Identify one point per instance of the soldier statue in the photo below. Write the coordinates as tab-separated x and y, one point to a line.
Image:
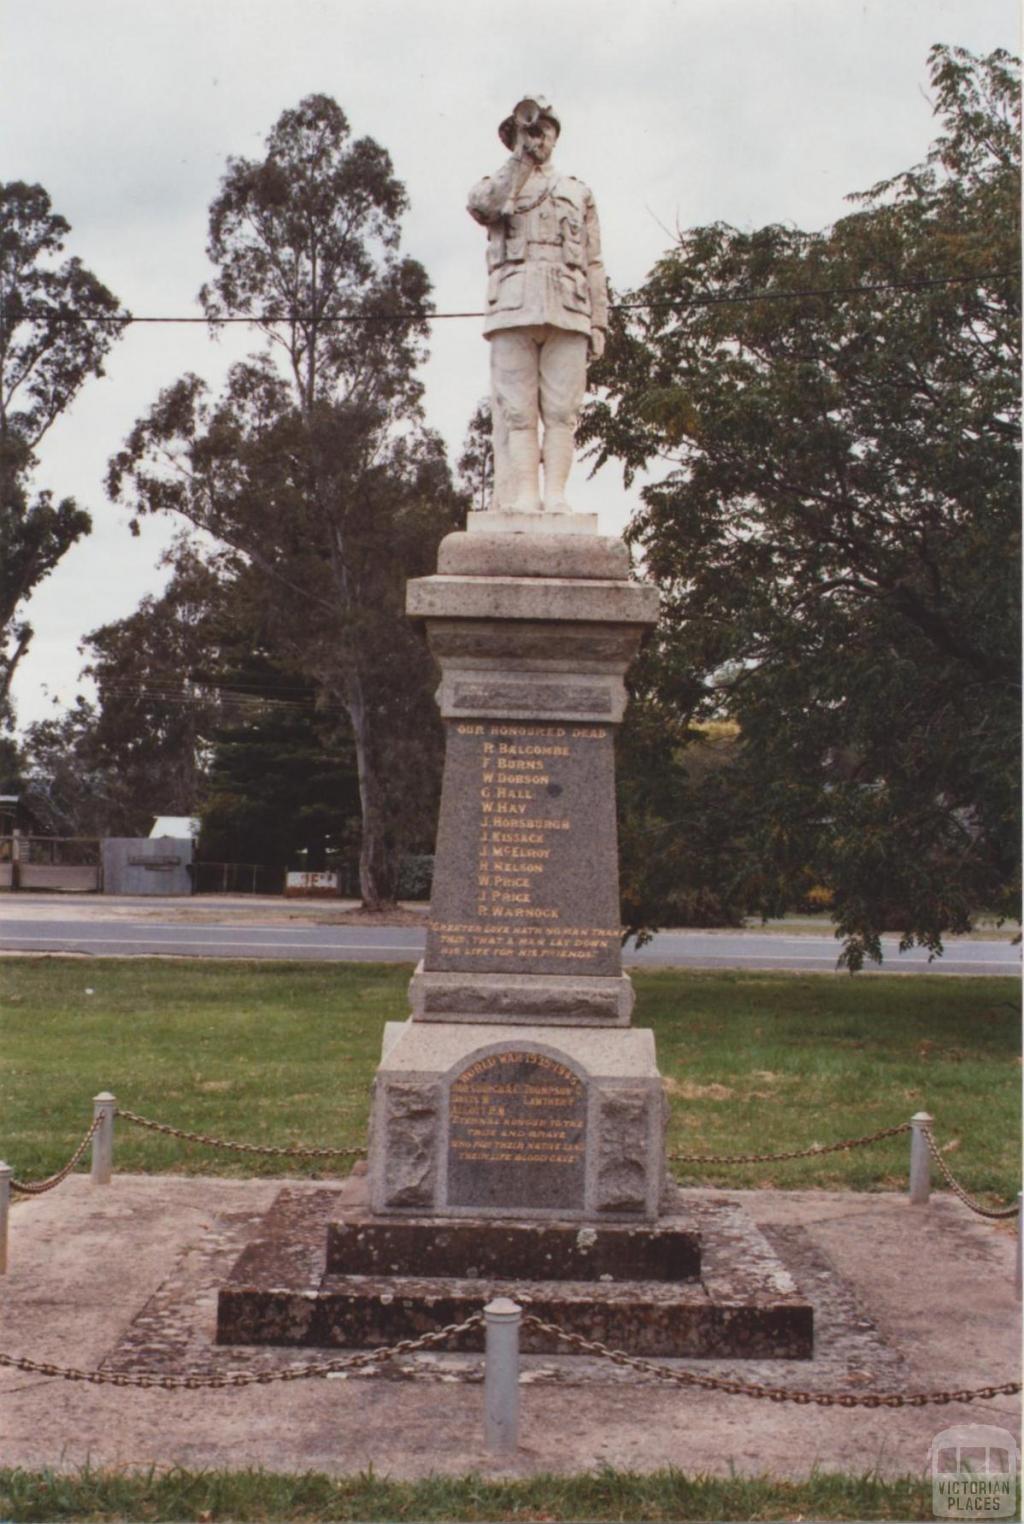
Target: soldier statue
547	308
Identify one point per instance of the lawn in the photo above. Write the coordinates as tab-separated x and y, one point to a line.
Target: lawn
284	1053
608	1494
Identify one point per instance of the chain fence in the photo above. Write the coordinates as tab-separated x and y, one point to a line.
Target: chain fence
771	1393
795	1153
685	1379
218	1380
360	1361
817	1149
39	1187
301	1151
297	1151
957	1188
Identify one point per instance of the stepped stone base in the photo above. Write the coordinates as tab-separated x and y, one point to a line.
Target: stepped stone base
362	1244
282	1292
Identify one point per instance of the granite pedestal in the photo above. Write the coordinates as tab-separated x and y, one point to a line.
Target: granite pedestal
493	1121
518	1085
517	1123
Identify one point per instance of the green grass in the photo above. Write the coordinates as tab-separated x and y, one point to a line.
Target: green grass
770	1062
606	1494
285	1052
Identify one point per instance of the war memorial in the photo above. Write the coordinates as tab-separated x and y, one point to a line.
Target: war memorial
518	1117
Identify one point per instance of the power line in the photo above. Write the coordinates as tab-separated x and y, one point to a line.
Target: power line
209	694
698	299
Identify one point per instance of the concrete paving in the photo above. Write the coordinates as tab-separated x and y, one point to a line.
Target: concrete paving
124	1277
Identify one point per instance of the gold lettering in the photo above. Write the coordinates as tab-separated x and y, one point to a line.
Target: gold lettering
496	1117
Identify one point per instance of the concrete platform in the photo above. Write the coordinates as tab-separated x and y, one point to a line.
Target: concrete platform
732	1298
125	1277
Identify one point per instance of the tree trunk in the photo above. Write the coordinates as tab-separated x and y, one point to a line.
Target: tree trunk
378	853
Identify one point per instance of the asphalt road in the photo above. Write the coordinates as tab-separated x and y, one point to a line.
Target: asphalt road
233	937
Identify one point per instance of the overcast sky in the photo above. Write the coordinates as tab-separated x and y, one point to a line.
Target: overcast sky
675	112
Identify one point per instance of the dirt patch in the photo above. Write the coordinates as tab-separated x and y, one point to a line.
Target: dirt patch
687	1090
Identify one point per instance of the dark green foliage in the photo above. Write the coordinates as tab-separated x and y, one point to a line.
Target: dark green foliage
282	787
47	353
108	768
835	526
194	716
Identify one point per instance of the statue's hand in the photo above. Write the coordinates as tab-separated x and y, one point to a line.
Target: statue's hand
596	347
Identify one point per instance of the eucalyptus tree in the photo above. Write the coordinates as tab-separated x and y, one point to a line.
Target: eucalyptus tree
57	325
314	467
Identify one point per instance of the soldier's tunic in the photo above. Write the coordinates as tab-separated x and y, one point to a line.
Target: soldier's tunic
546	290
543	252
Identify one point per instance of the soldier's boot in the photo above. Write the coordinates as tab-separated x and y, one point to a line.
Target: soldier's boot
559	444
523	455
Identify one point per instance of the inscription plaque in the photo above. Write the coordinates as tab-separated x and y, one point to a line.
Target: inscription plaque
526	877
517	1126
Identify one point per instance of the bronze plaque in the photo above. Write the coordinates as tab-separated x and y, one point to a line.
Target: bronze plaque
517	1127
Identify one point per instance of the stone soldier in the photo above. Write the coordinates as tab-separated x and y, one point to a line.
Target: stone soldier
547	308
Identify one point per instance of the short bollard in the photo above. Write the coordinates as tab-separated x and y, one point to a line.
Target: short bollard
920	1159
6	1173
501	1375
104	1106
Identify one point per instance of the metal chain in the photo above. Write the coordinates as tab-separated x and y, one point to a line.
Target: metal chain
772	1393
38	1187
243	1378
957	1188
618	1357
241	1148
796	1153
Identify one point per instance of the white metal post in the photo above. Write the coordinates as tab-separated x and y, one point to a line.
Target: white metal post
501	1375
104	1106
1019	1278
6	1173
920	1159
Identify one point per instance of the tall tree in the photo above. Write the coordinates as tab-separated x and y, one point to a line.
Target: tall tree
57	324
836	527
142	749
68	786
318	472
282	788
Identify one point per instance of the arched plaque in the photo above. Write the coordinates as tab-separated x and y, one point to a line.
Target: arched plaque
517	1125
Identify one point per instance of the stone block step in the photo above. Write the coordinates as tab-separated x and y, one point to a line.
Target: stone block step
361	1244
744	1305
643	1317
